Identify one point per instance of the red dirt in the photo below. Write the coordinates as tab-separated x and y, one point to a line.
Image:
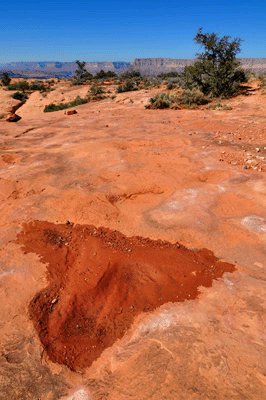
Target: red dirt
100	280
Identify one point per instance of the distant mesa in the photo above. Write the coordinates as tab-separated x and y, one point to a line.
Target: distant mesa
147	66
56	69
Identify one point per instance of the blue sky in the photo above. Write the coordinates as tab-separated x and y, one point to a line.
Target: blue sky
124	30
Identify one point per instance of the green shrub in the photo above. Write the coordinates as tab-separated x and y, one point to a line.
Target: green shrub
166	75
96	92
219	107
130	74
170	86
129	86
105	75
62	106
21	86
5	79
192	98
19	96
36	86
263	81
162	100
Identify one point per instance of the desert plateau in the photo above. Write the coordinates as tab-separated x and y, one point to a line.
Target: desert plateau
132	246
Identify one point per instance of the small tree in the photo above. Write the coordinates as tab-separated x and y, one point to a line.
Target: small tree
81	74
5	79
217	70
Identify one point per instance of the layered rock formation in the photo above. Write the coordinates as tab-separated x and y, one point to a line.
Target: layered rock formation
45	69
147	66
154	66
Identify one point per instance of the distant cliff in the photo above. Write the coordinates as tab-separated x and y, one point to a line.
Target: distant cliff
155	66
147	66
48	69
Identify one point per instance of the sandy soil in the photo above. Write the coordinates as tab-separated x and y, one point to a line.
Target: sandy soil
189	177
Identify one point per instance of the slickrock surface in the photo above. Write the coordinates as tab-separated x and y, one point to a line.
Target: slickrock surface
77	193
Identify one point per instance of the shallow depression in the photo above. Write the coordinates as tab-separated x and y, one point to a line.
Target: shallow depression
100	280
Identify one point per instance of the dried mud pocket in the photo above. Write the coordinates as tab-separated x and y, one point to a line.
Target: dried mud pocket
100	280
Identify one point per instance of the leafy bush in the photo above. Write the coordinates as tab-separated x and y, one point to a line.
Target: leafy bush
19	96
130	74
192	98
105	75
62	106
263	81
166	75
219	107
5	79
36	86
170	86
96	92
21	86
129	86
162	100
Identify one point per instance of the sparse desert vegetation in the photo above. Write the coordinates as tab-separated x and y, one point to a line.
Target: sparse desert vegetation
62	106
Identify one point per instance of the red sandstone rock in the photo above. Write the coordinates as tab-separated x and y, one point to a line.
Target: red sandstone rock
71	112
13	118
145	176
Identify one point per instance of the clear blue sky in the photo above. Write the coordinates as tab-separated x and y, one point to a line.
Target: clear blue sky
122	30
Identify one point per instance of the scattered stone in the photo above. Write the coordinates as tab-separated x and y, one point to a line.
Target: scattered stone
71	112
245	167
257	149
